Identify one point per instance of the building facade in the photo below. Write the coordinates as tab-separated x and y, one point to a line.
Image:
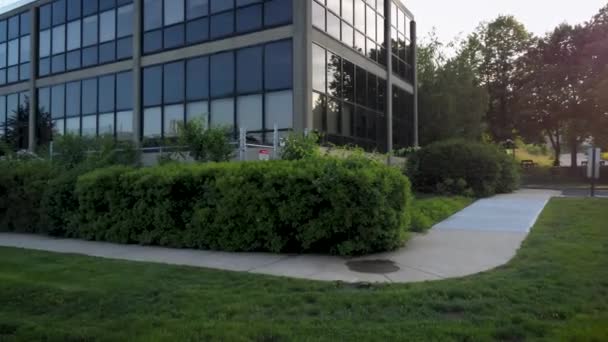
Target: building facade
133	69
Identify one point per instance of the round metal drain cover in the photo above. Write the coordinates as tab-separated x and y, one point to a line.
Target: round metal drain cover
373	266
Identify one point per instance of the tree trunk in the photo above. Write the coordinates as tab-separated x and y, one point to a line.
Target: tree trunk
557	148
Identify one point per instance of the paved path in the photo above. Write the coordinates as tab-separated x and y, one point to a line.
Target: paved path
480	238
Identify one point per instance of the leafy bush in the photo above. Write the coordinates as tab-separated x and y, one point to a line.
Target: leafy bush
462	168
346	207
300	146
205	144
22	185
427	212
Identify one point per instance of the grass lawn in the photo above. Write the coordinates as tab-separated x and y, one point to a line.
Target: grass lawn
555	289
428	210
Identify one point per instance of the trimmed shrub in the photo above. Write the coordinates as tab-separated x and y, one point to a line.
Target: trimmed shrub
462	167
22	185
345	207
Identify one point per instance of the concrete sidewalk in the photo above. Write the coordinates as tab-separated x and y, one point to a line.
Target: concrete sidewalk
480	238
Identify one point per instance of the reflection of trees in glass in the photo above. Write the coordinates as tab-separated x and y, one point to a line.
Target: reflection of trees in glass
17	123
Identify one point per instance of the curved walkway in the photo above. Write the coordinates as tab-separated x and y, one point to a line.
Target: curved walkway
483	236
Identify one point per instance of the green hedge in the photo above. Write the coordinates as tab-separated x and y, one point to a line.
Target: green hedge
22	188
462	167
324	205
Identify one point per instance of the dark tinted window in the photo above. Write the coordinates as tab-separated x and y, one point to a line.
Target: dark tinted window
89	96
72	106
124	48
153	89
58	101
124	91
174	36
107	52
197	30
249	18
58	12
277	12
222	25
222	74
174	82
25	23
44	16
89	7
197	78
106	94
278	65
249	70
74	9
153	41
89	56
221	5
197	8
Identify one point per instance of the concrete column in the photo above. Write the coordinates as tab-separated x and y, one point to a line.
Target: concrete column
137	79
389	79
415	79
33	114
302	64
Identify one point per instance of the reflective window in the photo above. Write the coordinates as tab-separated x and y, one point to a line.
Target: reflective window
153	92
279	110
173	23
198	111
89	126
89	96
278	65
249	70
106	124
124	90
250	112
152	122
222	74
58	101
124	125
174	115
222	113
72	105
401	44
15	48
106	93
173	82
89	33
197	76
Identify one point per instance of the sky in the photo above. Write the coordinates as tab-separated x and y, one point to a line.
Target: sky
452	18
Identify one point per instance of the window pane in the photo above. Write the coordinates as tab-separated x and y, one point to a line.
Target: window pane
174	115
279	110
333	116
198	78
222	113
334	69
222	74
72	99
44	45
249	70
89	126
89	56
107	26
278	65
74	35
72	126
221	5
44	17
153	14
25	23
124	91
249	18
124	125
318	16
89	7
174	36
58	12
318	111
106	124
124	48
222	25
107	52
153	86
333	25
73	60
58	127
152	122
125	21
197	31
153	41
106	94
74	9
348	11
249	112
44	100
198	110
173	82
58	39
360	15
25	49
174	12
277	12
58	101
318	68
89	96
197	8
89	31
105	4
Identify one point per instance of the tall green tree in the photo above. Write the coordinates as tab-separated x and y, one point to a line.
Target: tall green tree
452	101
501	43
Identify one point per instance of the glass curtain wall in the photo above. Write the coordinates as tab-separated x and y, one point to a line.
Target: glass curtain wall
401	46
15	48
